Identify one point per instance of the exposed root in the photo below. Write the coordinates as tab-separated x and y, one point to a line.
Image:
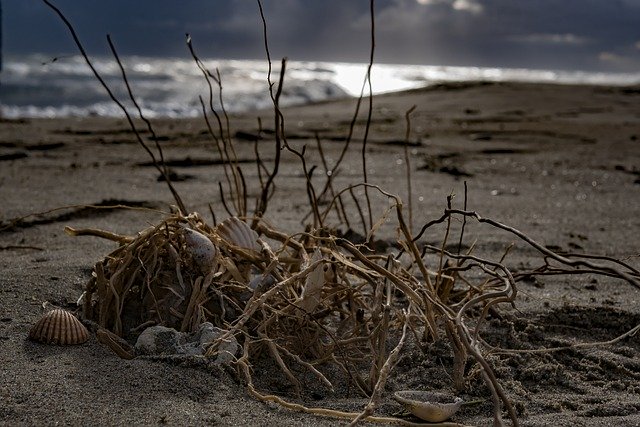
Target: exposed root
311	300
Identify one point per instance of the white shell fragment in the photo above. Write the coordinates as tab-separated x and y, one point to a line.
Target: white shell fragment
239	233
59	327
201	248
312	292
429	406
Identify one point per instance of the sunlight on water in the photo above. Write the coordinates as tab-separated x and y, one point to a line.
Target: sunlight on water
37	86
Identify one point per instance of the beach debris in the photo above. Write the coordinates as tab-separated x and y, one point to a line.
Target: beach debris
156	278
481	136
163	341
304	301
449	163
301	301
118	345
429	406
159	340
59	327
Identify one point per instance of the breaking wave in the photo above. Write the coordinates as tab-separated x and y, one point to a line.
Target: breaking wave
39	86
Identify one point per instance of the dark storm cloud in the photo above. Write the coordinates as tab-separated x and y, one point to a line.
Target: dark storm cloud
570	34
565	34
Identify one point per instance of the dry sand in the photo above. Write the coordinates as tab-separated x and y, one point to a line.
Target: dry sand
557	162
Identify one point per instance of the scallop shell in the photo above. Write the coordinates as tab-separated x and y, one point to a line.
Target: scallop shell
239	233
59	327
429	406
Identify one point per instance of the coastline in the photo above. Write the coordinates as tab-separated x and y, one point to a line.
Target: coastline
557	162
169	87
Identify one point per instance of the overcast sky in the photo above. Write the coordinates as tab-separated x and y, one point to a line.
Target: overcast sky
591	35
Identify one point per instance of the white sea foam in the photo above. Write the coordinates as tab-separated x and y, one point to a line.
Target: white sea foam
36	86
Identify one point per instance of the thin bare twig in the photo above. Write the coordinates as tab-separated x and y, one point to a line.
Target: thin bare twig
407	163
369	113
230	158
159	166
264	196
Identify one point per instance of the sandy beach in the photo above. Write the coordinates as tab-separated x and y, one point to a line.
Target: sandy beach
557	162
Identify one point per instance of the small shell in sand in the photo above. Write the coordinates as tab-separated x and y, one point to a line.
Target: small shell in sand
59	327
429	406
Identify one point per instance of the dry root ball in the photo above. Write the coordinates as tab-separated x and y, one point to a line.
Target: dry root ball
317	304
307	302
173	275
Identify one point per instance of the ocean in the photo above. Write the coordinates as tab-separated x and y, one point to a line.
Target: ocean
41	86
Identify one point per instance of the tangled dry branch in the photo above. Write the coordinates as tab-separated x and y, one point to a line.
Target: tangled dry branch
313	299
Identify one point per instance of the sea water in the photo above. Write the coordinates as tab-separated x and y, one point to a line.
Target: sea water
42	86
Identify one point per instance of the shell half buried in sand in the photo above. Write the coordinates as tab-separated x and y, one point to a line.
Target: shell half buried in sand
59	327
429	406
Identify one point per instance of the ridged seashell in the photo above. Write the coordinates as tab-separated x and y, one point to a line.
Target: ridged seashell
239	233
201	248
59	327
429	406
